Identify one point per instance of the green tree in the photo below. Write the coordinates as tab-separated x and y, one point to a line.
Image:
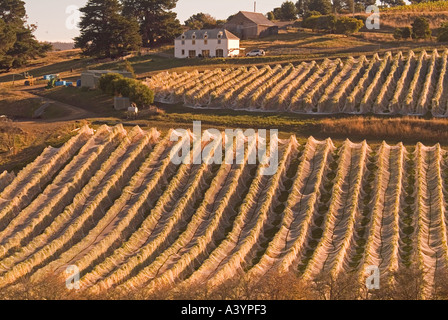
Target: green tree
443	33
158	24
394	3
406	33
105	32
361	5
277	13
270	15
231	17
323	6
201	21
420	28
311	14
348	25
17	42
302	7
12	11
7	37
320	22
106	83
117	85
337	6
288	11
398	34
349	6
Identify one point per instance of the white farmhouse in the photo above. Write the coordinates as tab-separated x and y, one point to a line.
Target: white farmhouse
207	43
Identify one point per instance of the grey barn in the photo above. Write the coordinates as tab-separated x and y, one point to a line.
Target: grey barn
249	25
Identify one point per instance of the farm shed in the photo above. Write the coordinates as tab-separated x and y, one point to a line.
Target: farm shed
248	25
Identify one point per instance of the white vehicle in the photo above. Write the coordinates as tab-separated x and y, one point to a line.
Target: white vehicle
256	53
4	118
132	112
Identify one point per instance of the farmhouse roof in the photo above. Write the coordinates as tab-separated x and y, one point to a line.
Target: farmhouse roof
211	34
257	18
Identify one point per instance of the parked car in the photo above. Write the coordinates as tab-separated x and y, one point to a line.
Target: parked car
4	118
256	53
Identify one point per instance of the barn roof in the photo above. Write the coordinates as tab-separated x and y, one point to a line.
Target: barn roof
211	33
257	18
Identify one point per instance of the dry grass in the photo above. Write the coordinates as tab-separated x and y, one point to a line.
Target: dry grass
18	104
293	42
21	143
405	285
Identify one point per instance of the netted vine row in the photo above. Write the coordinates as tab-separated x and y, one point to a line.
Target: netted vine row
402	83
129	217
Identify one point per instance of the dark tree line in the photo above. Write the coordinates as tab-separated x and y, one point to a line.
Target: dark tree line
17	42
110	28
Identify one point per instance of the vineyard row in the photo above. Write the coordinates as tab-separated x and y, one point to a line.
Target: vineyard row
406	84
113	203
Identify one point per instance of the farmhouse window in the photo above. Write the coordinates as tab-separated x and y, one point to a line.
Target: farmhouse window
192	53
206	53
219	53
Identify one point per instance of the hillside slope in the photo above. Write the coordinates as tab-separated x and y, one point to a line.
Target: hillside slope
129	217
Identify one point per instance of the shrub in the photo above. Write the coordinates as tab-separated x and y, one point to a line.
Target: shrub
360	17
311	14
136	91
443	33
310	22
347	25
406	33
122	86
342	25
398	34
106	82
140	94
326	22
420	29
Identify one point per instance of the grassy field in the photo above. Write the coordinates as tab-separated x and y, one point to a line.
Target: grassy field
340	127
18	104
21	143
